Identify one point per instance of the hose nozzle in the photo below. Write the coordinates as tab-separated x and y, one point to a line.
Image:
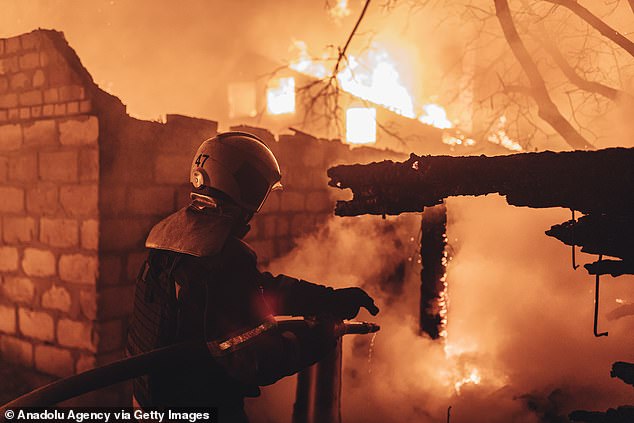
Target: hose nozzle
359	328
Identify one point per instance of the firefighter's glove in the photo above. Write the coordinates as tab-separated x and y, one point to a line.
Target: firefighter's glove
346	303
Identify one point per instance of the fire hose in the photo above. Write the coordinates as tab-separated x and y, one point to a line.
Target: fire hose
142	364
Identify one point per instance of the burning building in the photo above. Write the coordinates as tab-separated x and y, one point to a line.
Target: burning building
82	182
75	220
279	97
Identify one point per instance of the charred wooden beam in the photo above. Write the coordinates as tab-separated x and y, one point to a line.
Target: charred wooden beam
607	234
610	267
587	181
434	266
624	371
601	234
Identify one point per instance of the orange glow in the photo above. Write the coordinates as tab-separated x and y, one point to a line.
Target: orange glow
361	125
499	136
473	378
280	96
435	115
457	139
340	10
241	99
373	77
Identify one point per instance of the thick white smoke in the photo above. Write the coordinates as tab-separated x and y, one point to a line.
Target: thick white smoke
519	324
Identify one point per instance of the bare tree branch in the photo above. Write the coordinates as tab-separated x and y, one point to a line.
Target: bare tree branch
594	21
547	109
591	86
342	52
322	96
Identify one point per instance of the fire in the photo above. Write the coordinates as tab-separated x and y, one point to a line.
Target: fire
457	138
443	301
435	115
499	136
472	378
340	10
373	77
280	96
305	64
361	125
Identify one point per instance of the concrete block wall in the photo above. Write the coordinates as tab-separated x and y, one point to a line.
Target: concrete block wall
144	177
49	217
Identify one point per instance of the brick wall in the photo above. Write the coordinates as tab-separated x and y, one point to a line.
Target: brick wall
144	177
49	182
82	183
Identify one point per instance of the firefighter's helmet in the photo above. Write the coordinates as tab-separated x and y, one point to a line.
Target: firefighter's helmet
237	164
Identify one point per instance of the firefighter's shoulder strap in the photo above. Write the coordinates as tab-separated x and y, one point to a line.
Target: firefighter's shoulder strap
155	307
155	315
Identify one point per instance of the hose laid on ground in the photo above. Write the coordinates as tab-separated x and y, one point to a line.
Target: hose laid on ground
139	365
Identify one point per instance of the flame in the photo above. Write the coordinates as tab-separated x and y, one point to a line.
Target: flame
457	139
499	136
375	78
372	77
464	366
340	10
280	96
435	115
472	378
361	125
305	64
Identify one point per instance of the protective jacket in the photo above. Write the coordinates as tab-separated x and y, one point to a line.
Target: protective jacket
200	281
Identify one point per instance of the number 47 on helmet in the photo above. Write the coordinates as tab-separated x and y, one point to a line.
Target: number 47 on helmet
238	165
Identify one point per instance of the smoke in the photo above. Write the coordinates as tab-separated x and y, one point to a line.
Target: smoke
519	323
162	57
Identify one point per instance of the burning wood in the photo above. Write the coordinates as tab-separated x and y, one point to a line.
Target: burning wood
588	181
433	289
611	235
598	234
597	183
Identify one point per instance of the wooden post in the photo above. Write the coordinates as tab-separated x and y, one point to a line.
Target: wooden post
433	257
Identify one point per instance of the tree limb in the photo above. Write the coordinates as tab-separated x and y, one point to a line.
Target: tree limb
592	20
342	52
547	109
591	86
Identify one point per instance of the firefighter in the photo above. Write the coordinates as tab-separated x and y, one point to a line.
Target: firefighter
201	281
